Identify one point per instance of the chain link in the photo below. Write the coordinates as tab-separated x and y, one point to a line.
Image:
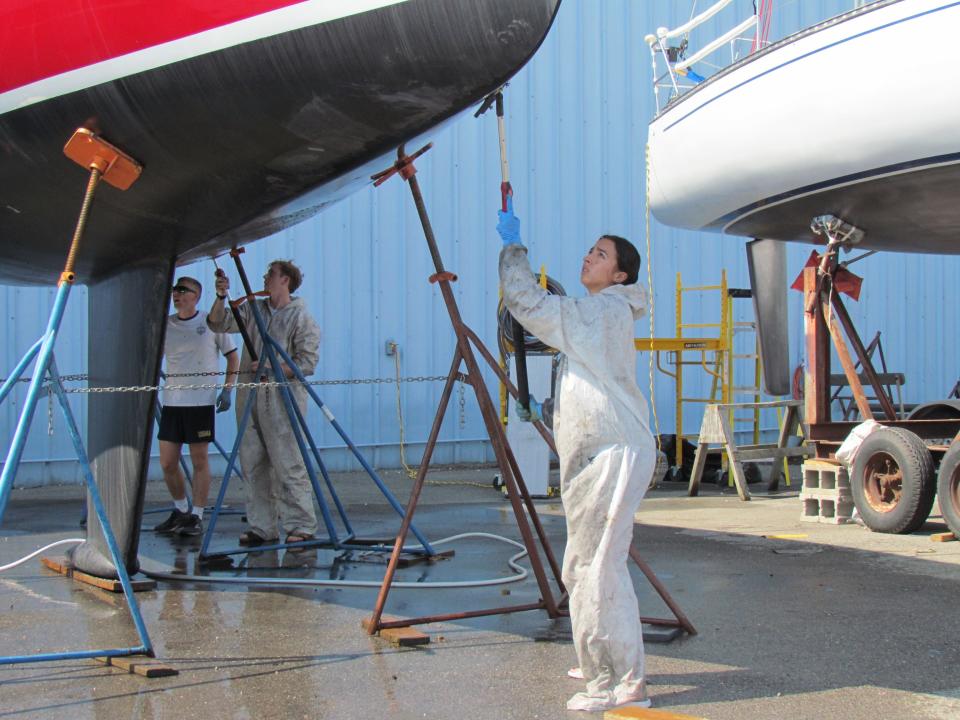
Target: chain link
220	386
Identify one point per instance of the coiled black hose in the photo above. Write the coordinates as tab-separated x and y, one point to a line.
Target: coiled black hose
505	334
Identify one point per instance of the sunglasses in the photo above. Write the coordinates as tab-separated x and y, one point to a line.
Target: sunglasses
181	289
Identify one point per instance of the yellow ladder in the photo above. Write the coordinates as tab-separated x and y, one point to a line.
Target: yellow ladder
743	393
714	354
710	351
718	380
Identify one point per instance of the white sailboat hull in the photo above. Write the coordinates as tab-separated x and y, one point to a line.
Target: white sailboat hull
858	117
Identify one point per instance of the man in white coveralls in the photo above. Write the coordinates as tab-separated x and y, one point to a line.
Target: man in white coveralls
278	488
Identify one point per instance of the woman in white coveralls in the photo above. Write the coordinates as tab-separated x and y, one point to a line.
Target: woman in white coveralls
607	453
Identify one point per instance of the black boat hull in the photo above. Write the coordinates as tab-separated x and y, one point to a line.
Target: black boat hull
236	144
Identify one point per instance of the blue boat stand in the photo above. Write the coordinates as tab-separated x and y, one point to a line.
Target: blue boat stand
304	438
44	369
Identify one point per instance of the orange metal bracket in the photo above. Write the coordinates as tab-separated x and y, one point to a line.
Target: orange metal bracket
93	152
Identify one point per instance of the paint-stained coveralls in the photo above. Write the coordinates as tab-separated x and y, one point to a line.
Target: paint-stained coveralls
277	484
607	457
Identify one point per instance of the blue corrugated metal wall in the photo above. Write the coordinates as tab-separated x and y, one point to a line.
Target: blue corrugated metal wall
577	117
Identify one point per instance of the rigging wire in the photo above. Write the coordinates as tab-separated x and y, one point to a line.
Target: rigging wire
646	218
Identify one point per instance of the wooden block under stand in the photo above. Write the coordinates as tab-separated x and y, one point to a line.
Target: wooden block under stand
822	463
59	565
943	537
402	636
623	713
139	665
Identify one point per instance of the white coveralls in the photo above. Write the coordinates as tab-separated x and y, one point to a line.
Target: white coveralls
277	483
607	457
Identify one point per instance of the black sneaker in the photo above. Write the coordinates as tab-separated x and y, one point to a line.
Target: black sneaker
190	526
171	523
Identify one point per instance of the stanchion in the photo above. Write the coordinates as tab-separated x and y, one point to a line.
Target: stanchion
516	489
106	162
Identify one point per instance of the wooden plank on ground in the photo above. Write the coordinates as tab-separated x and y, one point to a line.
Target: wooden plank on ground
59	565
943	537
140	665
402	636
638	713
822	463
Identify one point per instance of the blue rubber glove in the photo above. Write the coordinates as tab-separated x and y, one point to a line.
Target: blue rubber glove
531	414
509	225
224	401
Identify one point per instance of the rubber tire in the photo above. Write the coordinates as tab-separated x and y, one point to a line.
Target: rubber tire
948	488
917	487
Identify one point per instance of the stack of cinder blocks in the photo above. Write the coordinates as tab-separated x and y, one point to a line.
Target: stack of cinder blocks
825	493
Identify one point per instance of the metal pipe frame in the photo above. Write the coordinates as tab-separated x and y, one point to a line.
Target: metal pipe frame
43	350
462	354
391	499
301	431
822	430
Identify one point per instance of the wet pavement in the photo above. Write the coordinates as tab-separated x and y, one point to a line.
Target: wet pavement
795	620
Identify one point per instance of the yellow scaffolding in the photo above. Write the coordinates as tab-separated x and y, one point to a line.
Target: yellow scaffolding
716	356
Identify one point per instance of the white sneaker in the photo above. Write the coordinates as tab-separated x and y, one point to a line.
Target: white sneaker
575	673
591	703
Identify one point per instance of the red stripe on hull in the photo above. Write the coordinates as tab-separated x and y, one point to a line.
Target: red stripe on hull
43	38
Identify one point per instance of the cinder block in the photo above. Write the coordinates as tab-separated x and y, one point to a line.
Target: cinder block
818	474
835	494
826	495
811	510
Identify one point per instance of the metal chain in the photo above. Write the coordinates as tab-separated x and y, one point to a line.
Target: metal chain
220	386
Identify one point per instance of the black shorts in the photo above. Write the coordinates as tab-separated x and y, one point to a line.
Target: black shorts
193	424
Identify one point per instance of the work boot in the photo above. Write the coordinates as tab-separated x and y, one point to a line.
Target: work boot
190	526
171	523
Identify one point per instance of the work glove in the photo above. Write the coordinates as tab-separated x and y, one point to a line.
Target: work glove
224	401
529	414
509	225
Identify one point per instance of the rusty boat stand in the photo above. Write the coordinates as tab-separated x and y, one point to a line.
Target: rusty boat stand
520	499
826	321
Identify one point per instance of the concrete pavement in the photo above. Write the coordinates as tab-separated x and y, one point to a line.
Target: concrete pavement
795	620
